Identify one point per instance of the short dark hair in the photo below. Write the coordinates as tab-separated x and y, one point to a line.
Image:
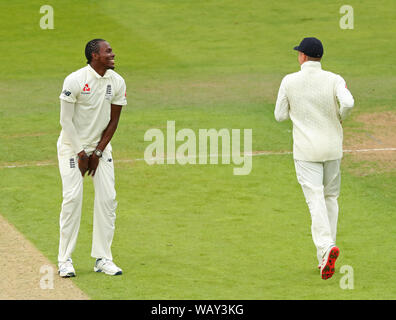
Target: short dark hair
92	47
314	59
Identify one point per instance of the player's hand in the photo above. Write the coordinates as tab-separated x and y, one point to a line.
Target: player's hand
93	164
83	161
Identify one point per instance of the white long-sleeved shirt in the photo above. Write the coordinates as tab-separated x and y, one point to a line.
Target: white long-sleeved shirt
66	121
315	100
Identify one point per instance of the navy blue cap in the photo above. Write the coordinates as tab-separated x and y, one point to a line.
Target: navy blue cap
312	47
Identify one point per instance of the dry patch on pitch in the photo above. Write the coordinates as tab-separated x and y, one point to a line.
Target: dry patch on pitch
20	266
377	131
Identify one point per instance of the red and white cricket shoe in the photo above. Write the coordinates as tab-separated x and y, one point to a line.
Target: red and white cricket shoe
328	265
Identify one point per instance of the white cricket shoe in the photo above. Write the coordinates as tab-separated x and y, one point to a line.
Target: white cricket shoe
66	269
107	266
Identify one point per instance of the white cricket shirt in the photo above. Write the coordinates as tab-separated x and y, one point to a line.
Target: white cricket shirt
92	95
310	98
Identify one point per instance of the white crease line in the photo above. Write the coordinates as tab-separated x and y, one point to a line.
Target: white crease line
262	153
29	165
259	153
368	150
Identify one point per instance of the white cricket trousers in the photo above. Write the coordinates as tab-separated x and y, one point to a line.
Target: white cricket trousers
105	203
320	182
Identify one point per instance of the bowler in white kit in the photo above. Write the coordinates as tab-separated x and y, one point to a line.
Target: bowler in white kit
91	102
317	102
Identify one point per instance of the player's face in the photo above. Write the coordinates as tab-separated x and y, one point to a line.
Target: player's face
106	55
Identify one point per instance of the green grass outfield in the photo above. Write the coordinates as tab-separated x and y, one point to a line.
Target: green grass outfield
198	231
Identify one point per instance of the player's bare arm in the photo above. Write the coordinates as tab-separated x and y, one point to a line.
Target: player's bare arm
106	138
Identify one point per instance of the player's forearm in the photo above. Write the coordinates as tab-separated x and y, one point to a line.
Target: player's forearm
111	127
107	135
346	104
344	97
66	121
281	112
346	107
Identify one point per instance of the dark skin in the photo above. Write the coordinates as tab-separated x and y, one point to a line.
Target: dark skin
100	62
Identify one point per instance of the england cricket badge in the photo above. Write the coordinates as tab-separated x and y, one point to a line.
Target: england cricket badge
108	92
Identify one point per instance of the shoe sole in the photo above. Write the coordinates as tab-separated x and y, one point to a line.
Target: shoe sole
118	273
329	269
67	275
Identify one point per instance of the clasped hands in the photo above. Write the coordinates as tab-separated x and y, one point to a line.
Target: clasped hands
87	163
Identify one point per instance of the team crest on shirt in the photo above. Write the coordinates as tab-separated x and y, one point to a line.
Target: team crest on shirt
86	89
108	92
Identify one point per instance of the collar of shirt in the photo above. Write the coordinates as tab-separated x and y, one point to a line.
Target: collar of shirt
311	64
97	75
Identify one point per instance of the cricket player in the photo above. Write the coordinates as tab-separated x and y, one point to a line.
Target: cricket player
90	103
317	102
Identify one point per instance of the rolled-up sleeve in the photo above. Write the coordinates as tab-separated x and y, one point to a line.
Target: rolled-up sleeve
282	103
120	96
